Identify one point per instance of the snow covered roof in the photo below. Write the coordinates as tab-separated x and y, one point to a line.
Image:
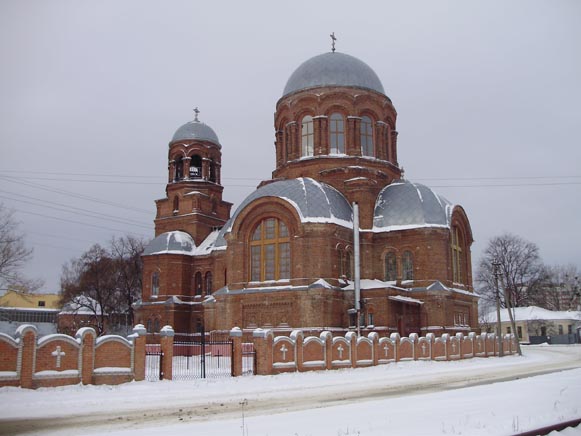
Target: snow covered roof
533	313
82	304
196	130
406	205
175	242
333	69
403	299
315	202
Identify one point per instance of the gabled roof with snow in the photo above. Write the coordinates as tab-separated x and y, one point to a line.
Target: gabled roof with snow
315	202
406	205
176	242
533	313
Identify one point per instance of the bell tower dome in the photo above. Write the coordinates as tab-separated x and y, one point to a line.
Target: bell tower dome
194	191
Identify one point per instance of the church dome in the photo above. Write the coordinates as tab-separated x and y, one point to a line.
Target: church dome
406	205
175	242
196	130
333	69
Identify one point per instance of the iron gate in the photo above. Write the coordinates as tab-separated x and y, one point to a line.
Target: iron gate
153	362
202	356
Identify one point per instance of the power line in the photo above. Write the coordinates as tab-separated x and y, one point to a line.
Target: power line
81	223
90	213
74	194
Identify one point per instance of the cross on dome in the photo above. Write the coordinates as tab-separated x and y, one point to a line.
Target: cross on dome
333	39
196	112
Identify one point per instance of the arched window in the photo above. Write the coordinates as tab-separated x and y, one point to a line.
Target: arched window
270	251
366	136
337	134
176	204
348	268
156	325
179	174
155	283
456	244
149	326
196	167
307	137
208	280
390	267
407	265
198	283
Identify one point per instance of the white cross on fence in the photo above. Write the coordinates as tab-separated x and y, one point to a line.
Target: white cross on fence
386	348
424	348
58	354
283	349
340	350
454	347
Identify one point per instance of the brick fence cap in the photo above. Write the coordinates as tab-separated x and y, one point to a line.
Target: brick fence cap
83	331
23	329
236	332
262	333
167	330
140	330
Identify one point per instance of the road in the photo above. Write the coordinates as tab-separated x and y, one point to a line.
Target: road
173	404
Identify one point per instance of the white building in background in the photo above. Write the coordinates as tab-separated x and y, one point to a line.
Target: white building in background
536	325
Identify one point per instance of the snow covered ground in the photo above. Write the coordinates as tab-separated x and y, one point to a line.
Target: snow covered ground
473	397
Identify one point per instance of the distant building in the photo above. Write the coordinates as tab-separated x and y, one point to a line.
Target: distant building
18	308
285	258
536	325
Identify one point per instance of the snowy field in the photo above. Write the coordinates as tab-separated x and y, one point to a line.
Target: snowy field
473	397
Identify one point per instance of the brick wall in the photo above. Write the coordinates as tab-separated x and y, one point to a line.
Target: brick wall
56	360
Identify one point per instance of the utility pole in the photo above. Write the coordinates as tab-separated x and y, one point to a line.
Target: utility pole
495	266
357	266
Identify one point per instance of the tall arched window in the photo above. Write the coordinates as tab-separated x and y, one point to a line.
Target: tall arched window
407	265
337	134
212	171
307	137
208	280
348	265
198	283
179	168
176	204
270	251
366	136
390	267
457	244
155	283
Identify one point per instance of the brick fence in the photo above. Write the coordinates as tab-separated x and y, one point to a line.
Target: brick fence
276	354
56	360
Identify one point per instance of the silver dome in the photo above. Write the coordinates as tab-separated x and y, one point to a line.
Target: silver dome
405	205
314	202
333	69
176	242
196	130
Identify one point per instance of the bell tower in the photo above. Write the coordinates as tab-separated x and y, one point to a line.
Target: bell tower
193	201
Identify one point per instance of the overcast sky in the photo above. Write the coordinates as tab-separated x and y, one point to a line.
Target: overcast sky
488	97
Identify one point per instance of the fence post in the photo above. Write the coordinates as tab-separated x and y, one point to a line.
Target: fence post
86	336
328	338
236	337
263	343
166	340
446	339
297	338
395	338
27	334
139	338
430	337
352	339
374	337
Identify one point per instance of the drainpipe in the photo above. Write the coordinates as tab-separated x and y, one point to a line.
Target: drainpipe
357	266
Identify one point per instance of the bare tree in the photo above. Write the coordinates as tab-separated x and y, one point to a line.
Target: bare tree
13	254
126	252
560	291
105	282
522	274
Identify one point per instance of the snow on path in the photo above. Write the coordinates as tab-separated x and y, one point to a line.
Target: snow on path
352	400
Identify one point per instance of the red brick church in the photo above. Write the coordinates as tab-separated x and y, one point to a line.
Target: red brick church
285	259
